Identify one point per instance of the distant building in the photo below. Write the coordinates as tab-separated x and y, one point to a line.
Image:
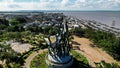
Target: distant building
76	26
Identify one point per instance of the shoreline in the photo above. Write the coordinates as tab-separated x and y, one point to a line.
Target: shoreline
94	25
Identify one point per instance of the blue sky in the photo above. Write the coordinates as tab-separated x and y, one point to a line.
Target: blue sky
13	5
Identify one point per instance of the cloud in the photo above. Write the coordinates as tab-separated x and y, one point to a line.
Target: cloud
98	4
13	5
109	4
64	2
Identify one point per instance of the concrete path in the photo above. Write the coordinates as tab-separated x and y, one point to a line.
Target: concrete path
30	58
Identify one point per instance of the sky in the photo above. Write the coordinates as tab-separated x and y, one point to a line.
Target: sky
14	5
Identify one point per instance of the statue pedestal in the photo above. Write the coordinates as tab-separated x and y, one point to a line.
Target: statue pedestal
64	62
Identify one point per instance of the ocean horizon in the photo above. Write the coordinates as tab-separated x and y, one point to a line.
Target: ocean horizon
105	17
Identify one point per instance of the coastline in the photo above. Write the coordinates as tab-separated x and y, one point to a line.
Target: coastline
94	25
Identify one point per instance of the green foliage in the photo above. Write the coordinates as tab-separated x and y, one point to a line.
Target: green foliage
52	30
46	30
9	36
79	60
39	61
16	66
109	42
107	65
79	57
26	54
14	22
17	20
5	36
15	28
2	26
8	55
34	29
36	40
4	21
10	28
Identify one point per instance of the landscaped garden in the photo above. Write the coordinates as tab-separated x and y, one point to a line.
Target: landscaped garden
39	61
13	30
79	61
35	35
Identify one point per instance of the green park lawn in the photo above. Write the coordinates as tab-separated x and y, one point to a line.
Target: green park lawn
79	61
39	61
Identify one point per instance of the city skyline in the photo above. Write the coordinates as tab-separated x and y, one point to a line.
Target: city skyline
14	5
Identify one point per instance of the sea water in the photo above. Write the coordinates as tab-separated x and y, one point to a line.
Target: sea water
106	17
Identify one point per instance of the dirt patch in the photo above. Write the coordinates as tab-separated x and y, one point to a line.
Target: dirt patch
93	53
20	48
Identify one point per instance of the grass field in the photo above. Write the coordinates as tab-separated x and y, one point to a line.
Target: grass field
79	61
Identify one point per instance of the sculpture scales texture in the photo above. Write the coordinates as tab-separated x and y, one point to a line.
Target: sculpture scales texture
61	47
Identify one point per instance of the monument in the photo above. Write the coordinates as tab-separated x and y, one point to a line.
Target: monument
59	48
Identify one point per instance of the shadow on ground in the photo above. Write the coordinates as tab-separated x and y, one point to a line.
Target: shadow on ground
79	64
75	43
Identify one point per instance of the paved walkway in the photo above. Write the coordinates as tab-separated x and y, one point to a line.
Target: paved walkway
30	58
93	54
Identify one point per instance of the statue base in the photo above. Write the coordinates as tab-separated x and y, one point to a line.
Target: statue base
64	62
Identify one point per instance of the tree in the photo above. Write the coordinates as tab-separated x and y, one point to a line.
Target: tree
8	55
108	41
2	26
4	22
17	20
20	19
